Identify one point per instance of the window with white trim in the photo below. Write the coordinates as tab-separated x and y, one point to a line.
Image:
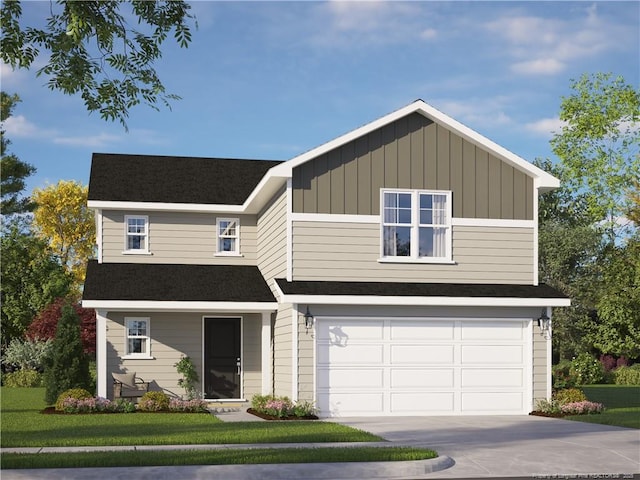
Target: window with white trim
228	231
136	234
137	337
416	225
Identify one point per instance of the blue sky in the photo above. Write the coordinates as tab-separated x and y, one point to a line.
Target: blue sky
270	80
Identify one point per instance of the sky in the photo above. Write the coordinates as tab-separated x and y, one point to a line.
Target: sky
271	80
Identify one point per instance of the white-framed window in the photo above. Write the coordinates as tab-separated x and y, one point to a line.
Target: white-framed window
228	233
416	225
136	234
138	337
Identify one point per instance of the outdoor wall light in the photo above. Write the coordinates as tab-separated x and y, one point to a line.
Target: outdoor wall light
544	322
308	319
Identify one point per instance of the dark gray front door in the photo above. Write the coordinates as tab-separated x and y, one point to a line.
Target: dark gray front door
222	358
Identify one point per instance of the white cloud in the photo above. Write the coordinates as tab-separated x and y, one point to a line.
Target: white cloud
545	46
429	33
542	66
545	126
93	141
19	126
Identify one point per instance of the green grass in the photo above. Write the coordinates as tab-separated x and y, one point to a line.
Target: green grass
622	405
22	425
214	457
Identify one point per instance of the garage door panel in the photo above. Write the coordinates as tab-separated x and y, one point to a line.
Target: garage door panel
498	354
341	332
422	354
496	401
492	330
419	403
491	377
412	330
351	354
345	404
354	378
422	378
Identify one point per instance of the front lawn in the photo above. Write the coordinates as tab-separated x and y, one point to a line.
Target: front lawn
622	405
214	457
22	425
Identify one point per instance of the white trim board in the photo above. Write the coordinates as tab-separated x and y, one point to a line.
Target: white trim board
175	306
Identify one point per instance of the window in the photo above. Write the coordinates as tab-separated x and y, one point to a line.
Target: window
137	341
416	225
137	235
228	236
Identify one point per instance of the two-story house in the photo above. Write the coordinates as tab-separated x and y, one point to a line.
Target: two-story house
390	271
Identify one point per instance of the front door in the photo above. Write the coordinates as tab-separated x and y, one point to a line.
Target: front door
222	361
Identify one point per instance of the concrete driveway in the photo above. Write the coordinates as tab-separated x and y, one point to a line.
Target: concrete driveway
514	445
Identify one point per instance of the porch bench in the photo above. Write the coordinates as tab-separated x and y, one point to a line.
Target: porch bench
127	385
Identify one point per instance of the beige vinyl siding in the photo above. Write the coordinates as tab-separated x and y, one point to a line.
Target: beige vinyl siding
306	364
282	342
540	367
412	152
178	237
174	335
350	252
272	239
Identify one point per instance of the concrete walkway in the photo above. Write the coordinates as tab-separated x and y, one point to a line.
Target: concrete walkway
486	447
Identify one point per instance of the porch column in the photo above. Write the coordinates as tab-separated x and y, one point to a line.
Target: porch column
549	357
266	353
101	353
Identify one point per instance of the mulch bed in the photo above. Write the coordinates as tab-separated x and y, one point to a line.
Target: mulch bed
271	417
550	415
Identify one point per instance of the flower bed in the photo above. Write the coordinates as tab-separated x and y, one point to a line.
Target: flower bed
270	407
95	405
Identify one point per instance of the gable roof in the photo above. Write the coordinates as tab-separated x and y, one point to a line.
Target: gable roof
542	179
163	179
124	282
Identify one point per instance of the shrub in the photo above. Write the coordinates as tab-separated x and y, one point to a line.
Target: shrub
304	409
189	406
258	402
22	378
569	395
189	380
73	393
627	375
280	408
68	366
548	406
96	405
563	377
587	370
581	408
27	354
154	402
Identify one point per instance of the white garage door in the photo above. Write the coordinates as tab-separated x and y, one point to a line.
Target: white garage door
422	367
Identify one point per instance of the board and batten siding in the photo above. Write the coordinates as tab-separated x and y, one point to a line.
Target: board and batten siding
350	252
414	153
178	237
174	335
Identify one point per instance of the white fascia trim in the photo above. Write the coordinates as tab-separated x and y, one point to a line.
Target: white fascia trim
175	306
425	301
419	106
492	222
334	217
166	207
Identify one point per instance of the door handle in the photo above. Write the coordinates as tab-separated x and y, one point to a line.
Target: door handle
238	364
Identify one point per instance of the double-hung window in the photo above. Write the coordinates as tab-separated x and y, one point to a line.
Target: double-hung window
137	337
416	225
136	234
228	231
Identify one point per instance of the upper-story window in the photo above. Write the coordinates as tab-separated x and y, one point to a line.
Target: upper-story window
416	225
228	236
136	234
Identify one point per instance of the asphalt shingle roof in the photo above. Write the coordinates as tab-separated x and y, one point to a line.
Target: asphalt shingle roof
150	178
417	289
169	282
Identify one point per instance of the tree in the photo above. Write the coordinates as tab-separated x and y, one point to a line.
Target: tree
68	366
64	221
13	171
46	322
32	278
598	145
92	50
